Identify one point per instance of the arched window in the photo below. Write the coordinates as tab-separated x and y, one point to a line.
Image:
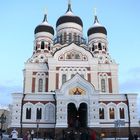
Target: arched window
70	37
64	78
65	37
49	46
61	39
103	89
93	48
101	113
28	113
74	37
121	111
42	45
111	113
36	47
39	113
50	112
79	39
99	46
40	85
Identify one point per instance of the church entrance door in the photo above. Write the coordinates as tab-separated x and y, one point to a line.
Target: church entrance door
77	118
82	111
72	114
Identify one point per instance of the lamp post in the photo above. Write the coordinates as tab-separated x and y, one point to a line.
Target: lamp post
54	96
130	136
37	122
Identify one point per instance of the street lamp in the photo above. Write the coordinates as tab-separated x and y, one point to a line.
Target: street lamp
37	121
130	136
2	120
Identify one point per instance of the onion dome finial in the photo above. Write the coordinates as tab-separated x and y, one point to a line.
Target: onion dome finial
97	27
95	15
45	16
69	6
44	26
69	17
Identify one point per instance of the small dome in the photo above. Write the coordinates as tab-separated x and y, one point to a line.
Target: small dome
97	28
44	27
69	17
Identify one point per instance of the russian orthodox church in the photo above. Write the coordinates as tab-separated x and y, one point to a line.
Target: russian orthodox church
72	82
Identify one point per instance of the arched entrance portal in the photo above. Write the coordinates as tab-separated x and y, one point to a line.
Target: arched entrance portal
83	114
77	118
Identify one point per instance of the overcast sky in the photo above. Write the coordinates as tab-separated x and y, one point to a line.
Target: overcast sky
19	19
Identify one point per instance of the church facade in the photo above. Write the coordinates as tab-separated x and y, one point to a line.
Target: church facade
72	82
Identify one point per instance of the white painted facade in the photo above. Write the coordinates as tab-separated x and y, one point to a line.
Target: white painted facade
56	70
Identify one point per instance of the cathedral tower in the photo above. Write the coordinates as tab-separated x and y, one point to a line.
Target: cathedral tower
71	83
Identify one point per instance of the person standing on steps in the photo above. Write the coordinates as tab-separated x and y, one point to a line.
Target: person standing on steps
14	134
135	136
32	134
0	135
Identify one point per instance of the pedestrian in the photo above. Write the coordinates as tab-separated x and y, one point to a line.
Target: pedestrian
135	136
93	135
28	135
0	135
14	134
25	137
44	136
32	134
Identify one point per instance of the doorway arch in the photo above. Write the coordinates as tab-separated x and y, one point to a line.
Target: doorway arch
83	114
77	117
72	114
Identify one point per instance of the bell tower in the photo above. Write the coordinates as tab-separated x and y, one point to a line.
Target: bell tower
36	68
43	37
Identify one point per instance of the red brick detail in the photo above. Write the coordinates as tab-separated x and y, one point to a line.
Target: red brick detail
110	85
46	51
103	52
35	102
108	73
38	51
57	68
46	88
89	77
88	68
33	84
115	102
57	79
38	46
34	73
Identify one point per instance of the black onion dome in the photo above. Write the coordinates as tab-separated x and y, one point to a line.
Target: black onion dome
97	28
65	19
69	17
44	27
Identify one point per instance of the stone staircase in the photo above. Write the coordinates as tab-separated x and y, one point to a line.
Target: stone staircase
76	133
